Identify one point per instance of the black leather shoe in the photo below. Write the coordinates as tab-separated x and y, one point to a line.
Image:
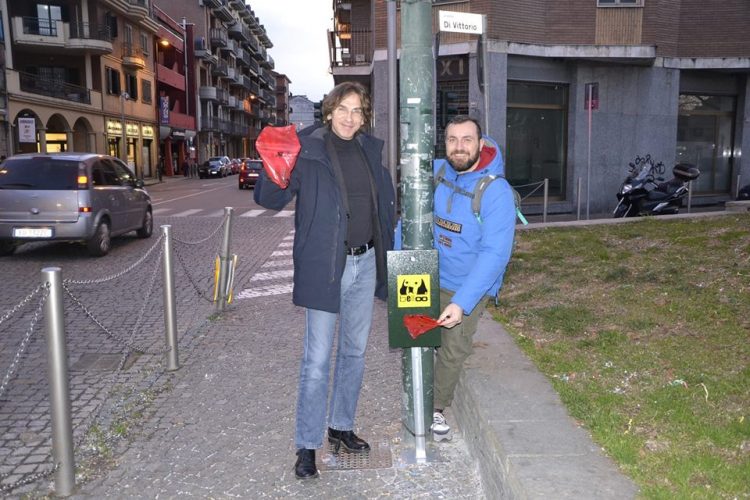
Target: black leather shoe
348	440
305	466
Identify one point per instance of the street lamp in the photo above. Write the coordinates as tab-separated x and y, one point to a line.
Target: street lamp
124	146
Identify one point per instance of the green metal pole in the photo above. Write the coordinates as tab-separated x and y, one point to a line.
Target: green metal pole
417	139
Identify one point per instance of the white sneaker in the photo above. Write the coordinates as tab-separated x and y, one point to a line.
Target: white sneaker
440	428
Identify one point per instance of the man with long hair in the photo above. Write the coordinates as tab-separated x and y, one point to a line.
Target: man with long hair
345	211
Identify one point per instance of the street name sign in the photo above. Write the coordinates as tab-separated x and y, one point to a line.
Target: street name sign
460	22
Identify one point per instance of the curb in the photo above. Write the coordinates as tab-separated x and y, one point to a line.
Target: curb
519	432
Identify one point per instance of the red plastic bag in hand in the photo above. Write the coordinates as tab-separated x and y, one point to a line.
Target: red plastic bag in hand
278	147
419	324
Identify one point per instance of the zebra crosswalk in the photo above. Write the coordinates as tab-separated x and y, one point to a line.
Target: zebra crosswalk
276	274
200	212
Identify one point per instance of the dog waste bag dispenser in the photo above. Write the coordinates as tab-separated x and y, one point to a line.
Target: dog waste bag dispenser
413	288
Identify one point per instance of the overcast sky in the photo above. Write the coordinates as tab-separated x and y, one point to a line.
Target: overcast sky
298	31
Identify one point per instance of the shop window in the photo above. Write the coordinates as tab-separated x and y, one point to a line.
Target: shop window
536	137
705	134
113	81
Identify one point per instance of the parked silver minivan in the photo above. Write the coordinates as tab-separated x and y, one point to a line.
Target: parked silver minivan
84	197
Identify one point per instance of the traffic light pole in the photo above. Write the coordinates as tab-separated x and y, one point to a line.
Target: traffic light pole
417	140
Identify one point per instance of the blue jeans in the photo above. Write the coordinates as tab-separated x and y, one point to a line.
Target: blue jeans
355	319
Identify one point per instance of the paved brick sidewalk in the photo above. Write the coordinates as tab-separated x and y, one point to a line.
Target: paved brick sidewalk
225	428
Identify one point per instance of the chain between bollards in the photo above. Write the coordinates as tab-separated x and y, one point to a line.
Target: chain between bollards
57	362
224	261
170	303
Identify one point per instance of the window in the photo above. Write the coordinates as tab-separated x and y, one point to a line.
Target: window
146	91
536	136
705	138
110	20
619	3
113	81
144	44
131	85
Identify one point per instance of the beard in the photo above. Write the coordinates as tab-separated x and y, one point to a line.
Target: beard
464	163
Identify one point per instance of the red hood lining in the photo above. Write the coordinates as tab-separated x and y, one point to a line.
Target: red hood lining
486	155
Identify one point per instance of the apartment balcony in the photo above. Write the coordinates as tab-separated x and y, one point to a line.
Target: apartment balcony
170	77
220	70
246	13
206	93
209	124
218	37
269	98
132	56
140	8
229	47
212	4
250	85
240	104
33	84
232	102
223	12
252	44
239	31
181	120
223	96
242	58
260	54
225	126
40	34
270	64
236	78
202	49
350	48
253	66
237	4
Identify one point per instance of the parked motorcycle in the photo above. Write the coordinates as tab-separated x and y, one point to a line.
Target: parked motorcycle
644	191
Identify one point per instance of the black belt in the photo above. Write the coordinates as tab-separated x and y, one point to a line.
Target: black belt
360	249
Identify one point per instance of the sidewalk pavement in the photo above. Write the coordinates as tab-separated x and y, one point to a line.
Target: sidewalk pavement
225	429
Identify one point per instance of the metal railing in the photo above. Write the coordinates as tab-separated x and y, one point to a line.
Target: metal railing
121	392
53	88
39	26
350	48
90	31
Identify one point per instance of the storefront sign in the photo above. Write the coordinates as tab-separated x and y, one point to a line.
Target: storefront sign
132	129
147	132
114	127
26	130
164	109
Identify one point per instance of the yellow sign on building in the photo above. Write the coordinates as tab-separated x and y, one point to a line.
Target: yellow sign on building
413	290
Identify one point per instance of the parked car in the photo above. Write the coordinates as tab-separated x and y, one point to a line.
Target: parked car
216	166
249	172
82	197
235	165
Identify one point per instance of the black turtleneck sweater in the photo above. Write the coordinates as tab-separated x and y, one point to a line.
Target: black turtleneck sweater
358	190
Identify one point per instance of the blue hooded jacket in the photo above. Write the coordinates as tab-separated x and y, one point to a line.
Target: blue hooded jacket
473	255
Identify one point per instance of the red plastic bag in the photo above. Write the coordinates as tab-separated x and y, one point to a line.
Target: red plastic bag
278	148
419	324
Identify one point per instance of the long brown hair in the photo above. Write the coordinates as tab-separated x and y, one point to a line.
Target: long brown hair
339	93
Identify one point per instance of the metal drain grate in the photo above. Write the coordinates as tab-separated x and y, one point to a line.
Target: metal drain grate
379	457
102	362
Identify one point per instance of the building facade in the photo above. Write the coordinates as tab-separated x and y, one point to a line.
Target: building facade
667	79
175	91
282	99
301	111
79	77
233	73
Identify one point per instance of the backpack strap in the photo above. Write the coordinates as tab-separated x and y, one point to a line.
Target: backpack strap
440	179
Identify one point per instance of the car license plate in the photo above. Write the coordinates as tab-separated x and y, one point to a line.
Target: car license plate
32	232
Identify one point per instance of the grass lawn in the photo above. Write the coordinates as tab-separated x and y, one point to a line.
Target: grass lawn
644	330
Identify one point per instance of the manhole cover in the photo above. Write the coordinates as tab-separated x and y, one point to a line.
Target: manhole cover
379	457
102	362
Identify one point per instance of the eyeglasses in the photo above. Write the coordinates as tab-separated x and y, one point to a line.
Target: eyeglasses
342	111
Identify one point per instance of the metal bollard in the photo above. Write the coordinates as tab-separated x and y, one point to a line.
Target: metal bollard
690	196
170	303
59	397
737	191
224	261
578	200
546	199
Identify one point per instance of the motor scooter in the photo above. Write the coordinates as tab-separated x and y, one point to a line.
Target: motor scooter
643	193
